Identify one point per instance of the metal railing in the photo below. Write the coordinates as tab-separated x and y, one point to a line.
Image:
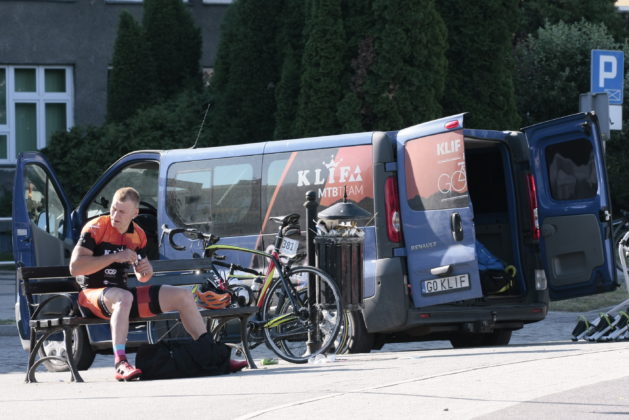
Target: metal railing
2	221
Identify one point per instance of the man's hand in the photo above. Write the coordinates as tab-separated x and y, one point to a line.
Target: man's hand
143	270
127	256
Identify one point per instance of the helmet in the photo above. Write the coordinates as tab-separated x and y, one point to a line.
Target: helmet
211	299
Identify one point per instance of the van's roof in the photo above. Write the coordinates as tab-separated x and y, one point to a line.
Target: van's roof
275	146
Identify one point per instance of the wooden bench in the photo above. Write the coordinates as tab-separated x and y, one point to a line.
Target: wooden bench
57	283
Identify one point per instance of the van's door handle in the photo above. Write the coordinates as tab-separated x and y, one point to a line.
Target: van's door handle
456	225
441	271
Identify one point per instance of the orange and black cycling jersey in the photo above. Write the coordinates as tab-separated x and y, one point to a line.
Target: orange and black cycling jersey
99	236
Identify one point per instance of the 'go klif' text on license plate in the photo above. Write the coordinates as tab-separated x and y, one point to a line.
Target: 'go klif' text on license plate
445	284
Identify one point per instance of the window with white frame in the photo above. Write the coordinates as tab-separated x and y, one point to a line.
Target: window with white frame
35	102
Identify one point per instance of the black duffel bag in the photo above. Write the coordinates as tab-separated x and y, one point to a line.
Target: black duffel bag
495	282
183	359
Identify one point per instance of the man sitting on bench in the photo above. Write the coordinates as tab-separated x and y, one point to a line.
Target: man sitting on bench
108	244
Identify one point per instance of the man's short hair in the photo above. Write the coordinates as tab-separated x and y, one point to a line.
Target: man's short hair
127	194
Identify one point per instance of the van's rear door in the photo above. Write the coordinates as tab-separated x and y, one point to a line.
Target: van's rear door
436	213
573	205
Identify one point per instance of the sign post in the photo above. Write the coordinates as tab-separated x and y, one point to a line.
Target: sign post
608	76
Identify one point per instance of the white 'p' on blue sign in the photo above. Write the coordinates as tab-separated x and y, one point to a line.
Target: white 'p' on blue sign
608	74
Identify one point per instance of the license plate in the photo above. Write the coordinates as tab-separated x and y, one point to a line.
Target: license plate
446	284
289	247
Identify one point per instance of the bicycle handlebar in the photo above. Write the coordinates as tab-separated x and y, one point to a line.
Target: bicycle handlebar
190	233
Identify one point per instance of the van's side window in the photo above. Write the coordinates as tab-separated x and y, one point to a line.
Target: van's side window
43	203
572	170
221	196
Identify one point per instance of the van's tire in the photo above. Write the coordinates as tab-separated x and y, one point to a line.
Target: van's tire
83	353
359	340
466	340
499	337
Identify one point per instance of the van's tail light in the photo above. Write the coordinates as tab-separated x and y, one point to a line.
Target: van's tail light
533	206
392	208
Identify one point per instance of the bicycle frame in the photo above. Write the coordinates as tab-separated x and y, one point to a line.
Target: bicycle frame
274	262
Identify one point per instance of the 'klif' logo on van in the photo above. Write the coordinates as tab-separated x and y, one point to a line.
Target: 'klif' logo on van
332	174
448	147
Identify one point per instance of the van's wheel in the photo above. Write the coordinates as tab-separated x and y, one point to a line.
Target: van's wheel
466	340
83	353
358	340
499	337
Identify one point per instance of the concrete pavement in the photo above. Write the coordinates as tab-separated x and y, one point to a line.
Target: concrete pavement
541	374
559	380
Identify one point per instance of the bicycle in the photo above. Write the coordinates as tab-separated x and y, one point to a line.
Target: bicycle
300	310
620	226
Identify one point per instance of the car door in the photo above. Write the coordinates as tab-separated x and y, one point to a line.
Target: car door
567	160
436	213
41	221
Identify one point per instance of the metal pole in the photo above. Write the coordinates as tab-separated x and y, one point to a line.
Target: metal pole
311	213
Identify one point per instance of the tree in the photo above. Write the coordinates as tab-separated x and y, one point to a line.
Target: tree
290	46
82	154
246	74
535	14
406	81
175	45
480	63
132	78
554	68
354	112
322	78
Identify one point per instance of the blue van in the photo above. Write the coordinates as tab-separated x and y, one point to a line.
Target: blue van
537	198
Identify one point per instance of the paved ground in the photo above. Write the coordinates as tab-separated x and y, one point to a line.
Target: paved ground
541	374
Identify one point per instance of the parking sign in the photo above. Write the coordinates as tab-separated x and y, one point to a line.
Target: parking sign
608	74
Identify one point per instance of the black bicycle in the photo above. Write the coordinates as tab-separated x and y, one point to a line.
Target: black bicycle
620	226
300	307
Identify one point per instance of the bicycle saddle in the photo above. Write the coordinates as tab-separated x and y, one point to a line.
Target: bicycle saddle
290	219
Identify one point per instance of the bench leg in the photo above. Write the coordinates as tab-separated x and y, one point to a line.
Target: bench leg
36	344
245	341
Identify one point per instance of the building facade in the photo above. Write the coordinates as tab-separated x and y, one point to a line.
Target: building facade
54	61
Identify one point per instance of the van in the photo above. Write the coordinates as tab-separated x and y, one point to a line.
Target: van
537	199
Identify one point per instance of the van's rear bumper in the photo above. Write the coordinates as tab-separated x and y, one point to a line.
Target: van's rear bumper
475	318
390	309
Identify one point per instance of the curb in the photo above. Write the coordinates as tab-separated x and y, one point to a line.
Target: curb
8	330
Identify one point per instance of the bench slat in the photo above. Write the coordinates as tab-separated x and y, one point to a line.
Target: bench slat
159	266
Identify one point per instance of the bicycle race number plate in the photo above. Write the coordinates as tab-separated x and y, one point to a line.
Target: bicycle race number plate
289	247
446	284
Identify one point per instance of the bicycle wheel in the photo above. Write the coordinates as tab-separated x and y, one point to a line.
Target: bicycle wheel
620	228
286	328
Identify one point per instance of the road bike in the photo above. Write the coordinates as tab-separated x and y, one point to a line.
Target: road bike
620	226
300	310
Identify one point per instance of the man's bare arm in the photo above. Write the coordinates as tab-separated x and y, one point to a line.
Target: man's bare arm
83	262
